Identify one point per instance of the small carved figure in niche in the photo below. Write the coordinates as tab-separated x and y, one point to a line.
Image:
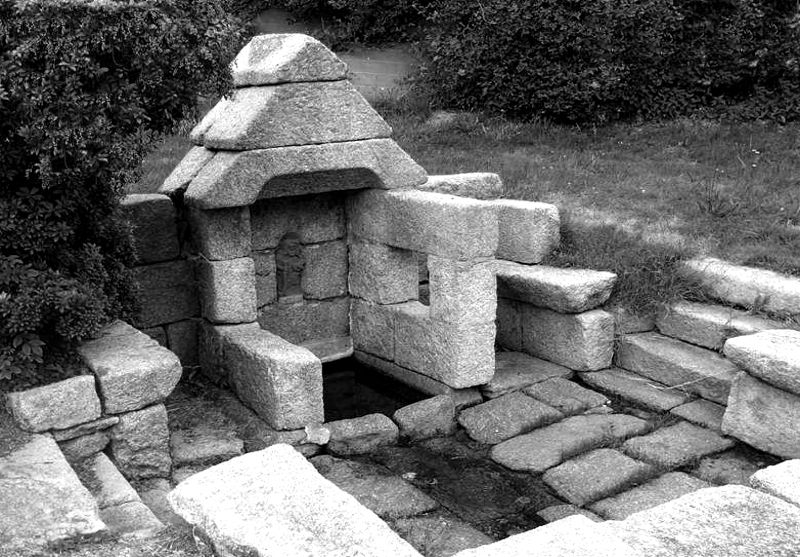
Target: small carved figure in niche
289	265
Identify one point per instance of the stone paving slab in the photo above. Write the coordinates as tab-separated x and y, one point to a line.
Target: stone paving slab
204	445
675	446
596	475
557	512
549	446
655	492
565	396
734	466
772	356
505	417
439	535
361	435
636	389
701	412
781	480
432	417
514	371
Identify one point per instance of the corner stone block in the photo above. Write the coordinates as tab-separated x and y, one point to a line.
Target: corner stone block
167	291
372	328
221	234
433	223
155	233
56	406
582	341
477	185
529	231
280	381
307	320
325	273
383	274
315	219
140	444
228	290
462	292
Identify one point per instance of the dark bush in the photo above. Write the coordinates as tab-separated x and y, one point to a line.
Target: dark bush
85	88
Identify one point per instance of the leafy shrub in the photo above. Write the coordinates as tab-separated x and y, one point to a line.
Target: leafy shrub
85	88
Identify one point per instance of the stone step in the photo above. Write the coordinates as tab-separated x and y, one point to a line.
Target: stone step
701	412
565	396
675	446
635	389
506	417
648	495
710	325
677	364
746	286
772	356
514	371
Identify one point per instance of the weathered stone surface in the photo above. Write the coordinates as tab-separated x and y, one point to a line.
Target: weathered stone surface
733	521
701	412
565	396
731	467
372	327
635	388
84	446
43	500
646	496
154	494
514	371
573	536
596	475
376	488
677	364
204	445
583	341
382	274
221	234
236	179
290	114
708	325
314	219
432	417
167	291
561	290
155	232
361	435
557	512
228	290
182	340
508	321
549	446
529	231
325	274
104	482
58	405
131	520
187	169
281	382
285	58
461	292
132	370
477	185
746	286
505	417
140	443
781	480
772	356
677	445
763	416
627	322
439	535
84	429
303	321
432	223
273	503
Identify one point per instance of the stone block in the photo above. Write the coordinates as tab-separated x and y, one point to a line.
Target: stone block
439	534
477	185
582	341
676	446
701	412
636	389
514	371
228	290
325	273
505	417
285	58
383	274
187	169
182	339
565	396
238	179
330	349
432	223
167	292
140	443
84	446
280	381
131	520
315	219
432	417
221	234
203	445
154	494
266	503
677	364
461	292
372	327
781	480
304	321
509	324
266	277
56	406
155	231
132	371
763	416
734	466
106	484
529	231
772	356
87	428
290	114
361	435
562	290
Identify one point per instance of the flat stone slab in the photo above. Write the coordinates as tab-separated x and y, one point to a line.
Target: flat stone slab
432	417
596	475
439	535
636	389
730	521
87	428
131	520
772	356
677	364
648	495
709	325
701	412
59	405
549	446
108	486
361	435
735	466
376	488
477	185
514	371
746	286
274	503
562	290
204	445
505	417
781	480
557	512
677	445
565	396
